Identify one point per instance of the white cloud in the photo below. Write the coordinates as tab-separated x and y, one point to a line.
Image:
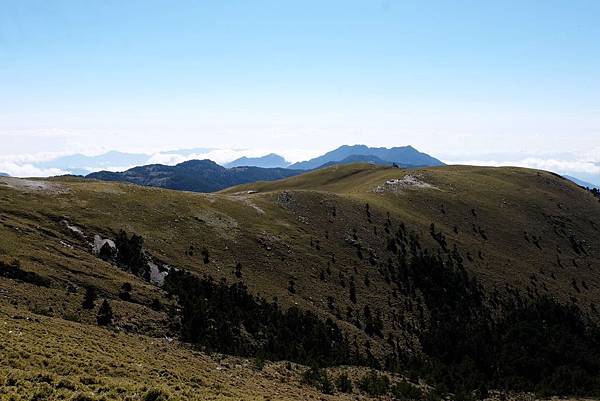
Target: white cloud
108	168
219	156
32	157
28	170
223	156
555	165
592	154
585	165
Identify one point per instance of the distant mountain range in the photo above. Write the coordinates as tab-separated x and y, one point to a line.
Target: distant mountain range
4	175
208	176
405	155
194	175
79	164
581	183
271	160
359	159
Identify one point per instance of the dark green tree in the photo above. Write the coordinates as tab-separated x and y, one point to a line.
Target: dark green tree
344	384
105	314
130	253
125	292
107	252
205	256
352	292
89	298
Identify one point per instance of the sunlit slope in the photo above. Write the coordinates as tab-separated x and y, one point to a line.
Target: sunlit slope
515	223
295	239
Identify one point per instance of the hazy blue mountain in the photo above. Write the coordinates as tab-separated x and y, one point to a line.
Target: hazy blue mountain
589	177
194	175
4	175
358	159
404	155
581	183
271	160
81	164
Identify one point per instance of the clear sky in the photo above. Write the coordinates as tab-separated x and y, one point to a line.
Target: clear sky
458	79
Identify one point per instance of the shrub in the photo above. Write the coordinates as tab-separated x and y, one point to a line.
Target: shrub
72	317
352	292
406	391
105	314
205	256
156	305
125	292
319	379
344	384
155	395
374	384
89	298
259	363
107	252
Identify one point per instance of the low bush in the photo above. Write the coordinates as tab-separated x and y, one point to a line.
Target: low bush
406	391
374	384
319	379
344	384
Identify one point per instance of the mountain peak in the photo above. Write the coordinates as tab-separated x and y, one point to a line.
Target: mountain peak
199	163
272	160
403	155
194	175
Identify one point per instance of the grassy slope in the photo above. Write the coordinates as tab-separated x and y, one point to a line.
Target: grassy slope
48	358
506	202
275	237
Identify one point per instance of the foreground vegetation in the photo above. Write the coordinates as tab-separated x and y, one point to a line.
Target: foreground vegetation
463	280
46	358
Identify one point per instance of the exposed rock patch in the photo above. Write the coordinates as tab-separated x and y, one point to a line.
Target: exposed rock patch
408	182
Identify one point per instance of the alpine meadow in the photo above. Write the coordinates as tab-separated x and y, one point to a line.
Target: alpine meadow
271	201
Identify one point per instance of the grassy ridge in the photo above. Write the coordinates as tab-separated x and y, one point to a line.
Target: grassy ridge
526	228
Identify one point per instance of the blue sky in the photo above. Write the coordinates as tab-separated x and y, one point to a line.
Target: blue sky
459	79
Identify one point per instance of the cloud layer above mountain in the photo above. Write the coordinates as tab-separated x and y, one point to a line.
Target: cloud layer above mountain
585	166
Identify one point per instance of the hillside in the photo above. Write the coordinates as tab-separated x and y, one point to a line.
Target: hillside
394	265
193	175
403	155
